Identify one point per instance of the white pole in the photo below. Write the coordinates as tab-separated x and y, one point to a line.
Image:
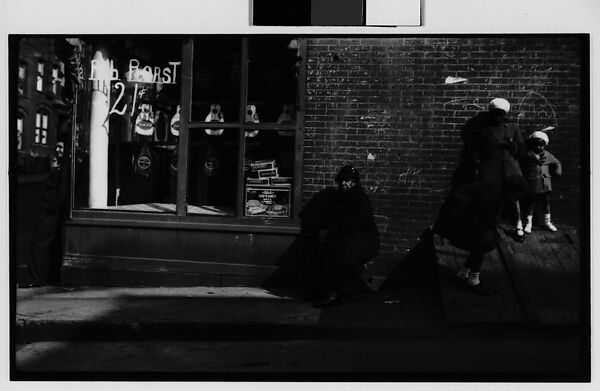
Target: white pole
100	75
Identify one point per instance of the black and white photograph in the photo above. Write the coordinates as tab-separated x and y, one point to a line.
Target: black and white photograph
305	198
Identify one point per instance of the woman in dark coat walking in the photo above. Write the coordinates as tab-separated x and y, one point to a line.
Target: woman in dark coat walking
493	148
493	144
468	219
347	239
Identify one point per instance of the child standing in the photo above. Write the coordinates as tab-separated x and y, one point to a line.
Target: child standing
539	166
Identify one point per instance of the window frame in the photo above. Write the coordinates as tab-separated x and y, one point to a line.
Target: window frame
181	219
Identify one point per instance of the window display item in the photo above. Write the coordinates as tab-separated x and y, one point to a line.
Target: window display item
144	122
257	181
286	118
143	162
215	115
263	164
162	126
173	161
251	117
211	163
280	181
268	173
267	201
175	122
126	125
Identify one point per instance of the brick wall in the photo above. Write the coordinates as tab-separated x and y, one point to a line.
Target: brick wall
384	105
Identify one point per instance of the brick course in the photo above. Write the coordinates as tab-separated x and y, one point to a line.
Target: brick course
383	105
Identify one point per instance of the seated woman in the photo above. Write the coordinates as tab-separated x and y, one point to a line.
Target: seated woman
347	239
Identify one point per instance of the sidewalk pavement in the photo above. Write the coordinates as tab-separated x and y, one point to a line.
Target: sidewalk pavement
209	329
58	313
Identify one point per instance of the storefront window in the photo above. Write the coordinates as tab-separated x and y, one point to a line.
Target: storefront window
127	148
237	150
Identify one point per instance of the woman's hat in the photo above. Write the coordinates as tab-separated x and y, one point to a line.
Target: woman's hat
347	172
499	103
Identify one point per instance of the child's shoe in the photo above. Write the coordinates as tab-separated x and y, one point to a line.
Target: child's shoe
528	225
548	223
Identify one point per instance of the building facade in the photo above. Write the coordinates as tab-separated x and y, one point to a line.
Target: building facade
41	107
41	110
198	157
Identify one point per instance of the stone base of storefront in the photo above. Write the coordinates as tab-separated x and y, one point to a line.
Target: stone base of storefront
146	256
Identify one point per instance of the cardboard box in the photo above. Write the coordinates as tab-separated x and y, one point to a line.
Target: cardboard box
280	181
262	165
268	173
257	181
267	201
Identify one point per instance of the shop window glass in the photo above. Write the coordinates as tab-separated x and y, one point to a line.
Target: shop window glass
216	79
272	98
213	171
39	86
272	78
142	129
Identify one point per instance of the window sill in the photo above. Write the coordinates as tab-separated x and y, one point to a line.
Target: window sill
171	221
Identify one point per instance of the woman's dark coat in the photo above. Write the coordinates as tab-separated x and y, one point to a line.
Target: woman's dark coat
494	146
351	240
468	217
350	217
539	170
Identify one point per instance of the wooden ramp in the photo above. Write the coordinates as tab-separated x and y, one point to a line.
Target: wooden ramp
547	274
538	281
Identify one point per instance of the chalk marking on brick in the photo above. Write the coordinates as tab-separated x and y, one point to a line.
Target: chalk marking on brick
466	102
541	116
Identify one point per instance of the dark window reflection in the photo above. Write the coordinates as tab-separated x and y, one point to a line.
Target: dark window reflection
272	78
216	79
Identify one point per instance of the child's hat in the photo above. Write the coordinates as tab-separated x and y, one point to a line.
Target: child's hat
499	103
540	135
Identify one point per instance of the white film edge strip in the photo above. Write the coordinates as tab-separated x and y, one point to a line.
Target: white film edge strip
393	12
